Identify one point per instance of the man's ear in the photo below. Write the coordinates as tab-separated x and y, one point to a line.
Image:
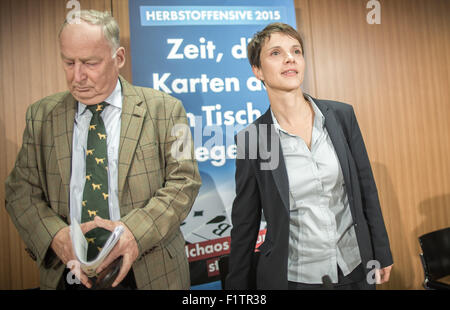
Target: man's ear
120	57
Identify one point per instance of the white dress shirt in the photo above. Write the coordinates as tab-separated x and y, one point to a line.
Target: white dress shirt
322	235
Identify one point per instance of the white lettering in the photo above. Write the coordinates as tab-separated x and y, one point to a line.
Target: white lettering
239	51
159	84
73	16
242	117
205	50
374	16
373	276
194	300
192	85
173	52
253	84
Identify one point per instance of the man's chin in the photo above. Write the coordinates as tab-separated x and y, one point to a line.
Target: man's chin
85	97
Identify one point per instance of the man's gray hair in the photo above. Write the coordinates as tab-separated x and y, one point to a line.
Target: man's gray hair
109	25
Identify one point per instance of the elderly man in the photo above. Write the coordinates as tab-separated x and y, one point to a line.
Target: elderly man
105	153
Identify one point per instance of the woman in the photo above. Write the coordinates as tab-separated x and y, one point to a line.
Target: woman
318	196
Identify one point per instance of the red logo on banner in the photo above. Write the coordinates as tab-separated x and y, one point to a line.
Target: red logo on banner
213	267
214	248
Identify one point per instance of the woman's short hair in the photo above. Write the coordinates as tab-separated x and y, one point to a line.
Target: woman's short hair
109	25
259	39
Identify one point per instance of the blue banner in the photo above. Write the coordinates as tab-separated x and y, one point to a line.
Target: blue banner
196	51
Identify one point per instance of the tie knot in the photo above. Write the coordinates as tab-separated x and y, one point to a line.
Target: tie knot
97	108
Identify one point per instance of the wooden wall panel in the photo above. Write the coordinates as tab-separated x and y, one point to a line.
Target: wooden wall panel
395	74
6	144
120	13
304	24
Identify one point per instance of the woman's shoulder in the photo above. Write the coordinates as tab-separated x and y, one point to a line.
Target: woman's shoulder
343	111
337	106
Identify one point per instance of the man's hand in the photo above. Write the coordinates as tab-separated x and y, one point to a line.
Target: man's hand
62	246
126	247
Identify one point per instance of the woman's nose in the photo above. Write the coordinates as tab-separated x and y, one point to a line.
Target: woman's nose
289	57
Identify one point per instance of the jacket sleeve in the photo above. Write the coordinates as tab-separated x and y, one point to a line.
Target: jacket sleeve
172	202
369	195
246	219
26	200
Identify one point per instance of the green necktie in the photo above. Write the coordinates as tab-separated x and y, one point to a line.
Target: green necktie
95	194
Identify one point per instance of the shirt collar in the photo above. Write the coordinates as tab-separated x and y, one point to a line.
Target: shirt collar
114	99
319	120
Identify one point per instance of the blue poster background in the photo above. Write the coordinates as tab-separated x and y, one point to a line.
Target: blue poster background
196	52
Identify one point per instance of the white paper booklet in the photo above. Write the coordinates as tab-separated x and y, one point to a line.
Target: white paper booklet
80	247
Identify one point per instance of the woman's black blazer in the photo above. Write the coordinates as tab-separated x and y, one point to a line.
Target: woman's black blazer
262	185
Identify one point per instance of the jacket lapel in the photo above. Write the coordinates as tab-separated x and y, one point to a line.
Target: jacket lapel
63	116
336	135
279	172
337	138
130	130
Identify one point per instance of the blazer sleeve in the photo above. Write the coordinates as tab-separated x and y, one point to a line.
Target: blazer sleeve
369	195
26	201
246	219
171	203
